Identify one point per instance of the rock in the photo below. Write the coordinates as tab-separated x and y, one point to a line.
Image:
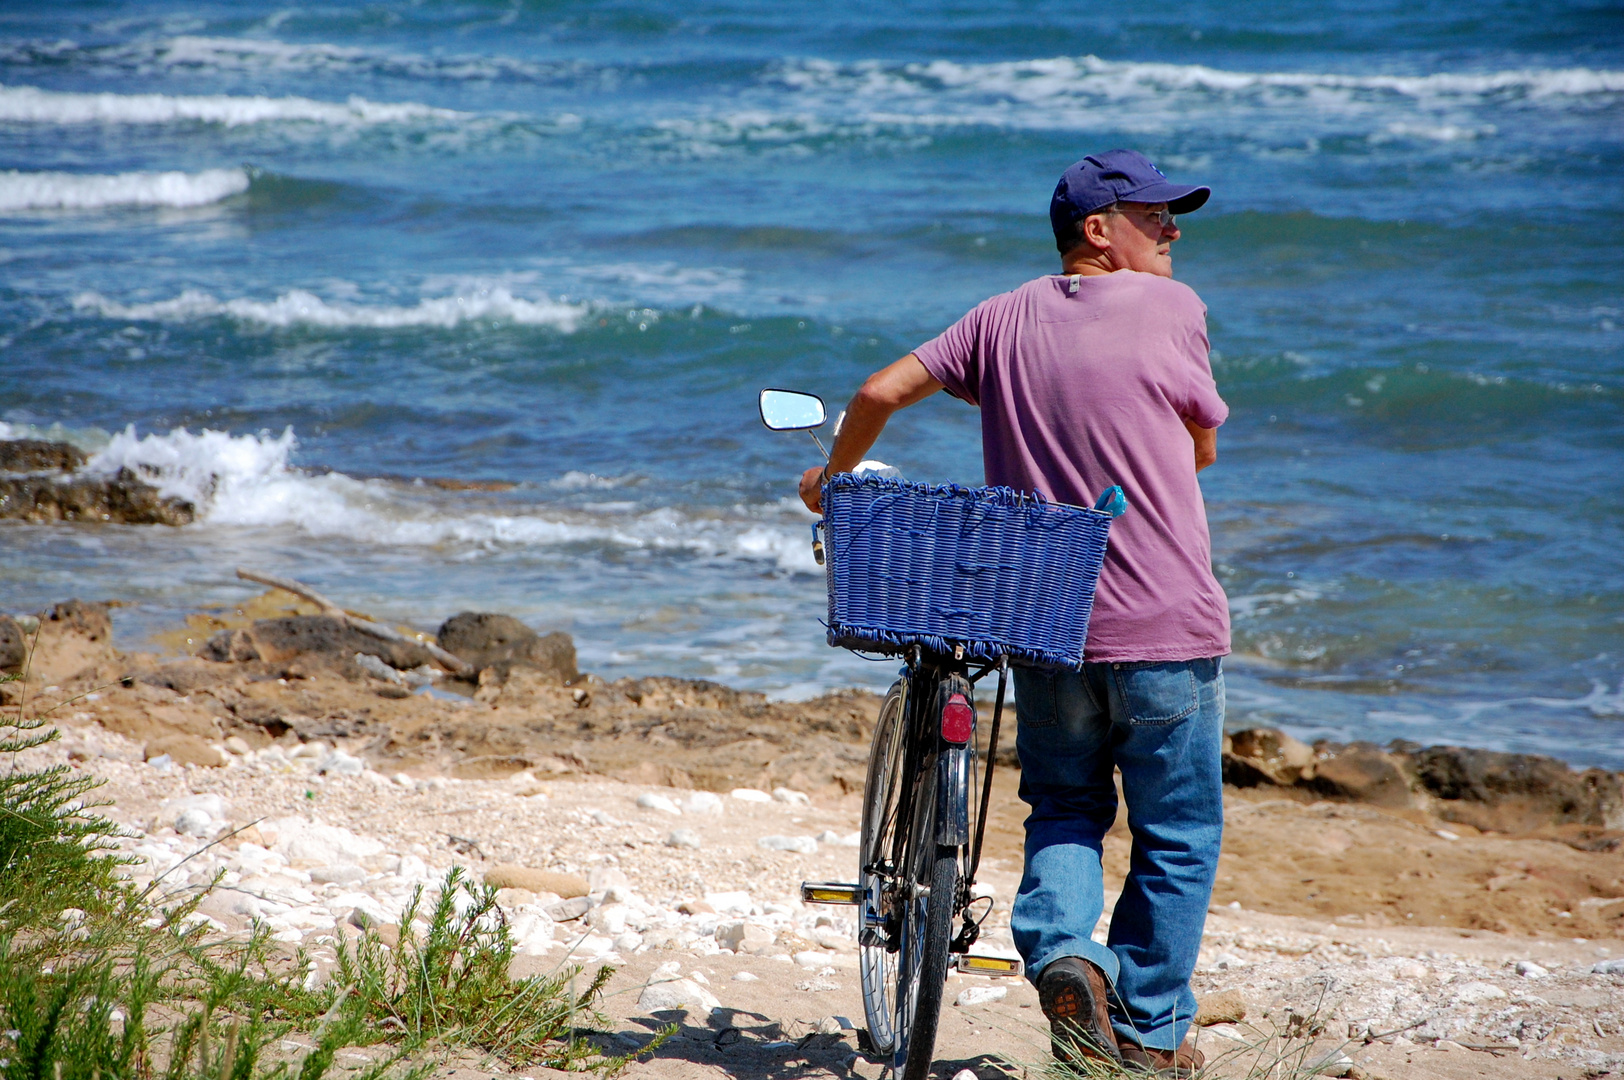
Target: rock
513	876
791	798
1266	755
1224	1007
341	874
650	801
513	898
185	749
1517	792
682	994
195	823
1476	993
702	802
745	794
1530	970
805	845
682	838
489	640
1609	967
1362	772
695	907
981	995
966	1074
1412	969
306	843
229	647
122	498
745	976
855	839
744	937
568	910
38	455
331	641
14	645
729	903
238	745
90	621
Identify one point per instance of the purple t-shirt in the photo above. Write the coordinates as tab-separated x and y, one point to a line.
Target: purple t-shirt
1081	390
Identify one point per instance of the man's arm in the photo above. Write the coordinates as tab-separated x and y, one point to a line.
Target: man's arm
903	383
1206	444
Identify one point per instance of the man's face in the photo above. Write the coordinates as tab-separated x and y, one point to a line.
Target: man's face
1139	240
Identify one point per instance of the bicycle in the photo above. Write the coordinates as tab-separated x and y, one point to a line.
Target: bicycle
922	836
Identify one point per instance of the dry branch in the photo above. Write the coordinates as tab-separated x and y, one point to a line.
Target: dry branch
454	664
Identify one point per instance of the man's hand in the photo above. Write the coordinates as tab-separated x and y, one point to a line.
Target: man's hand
812	489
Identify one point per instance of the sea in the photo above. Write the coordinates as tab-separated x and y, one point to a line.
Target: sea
465	304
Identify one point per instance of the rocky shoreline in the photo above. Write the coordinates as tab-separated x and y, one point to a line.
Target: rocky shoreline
44	482
1418	910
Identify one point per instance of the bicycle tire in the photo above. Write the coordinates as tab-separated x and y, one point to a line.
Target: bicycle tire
931	974
878	967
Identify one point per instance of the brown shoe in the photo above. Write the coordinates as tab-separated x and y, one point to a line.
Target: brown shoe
1072	993
1181	1064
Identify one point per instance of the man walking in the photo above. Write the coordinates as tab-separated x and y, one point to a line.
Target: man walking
1093	377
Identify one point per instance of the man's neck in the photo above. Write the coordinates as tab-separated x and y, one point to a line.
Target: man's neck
1088	263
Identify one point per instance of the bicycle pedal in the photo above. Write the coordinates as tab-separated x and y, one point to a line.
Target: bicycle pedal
831	892
997	966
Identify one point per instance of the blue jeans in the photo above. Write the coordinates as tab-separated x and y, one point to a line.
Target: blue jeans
1162	725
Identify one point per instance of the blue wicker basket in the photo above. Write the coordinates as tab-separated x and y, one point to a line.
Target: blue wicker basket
941	566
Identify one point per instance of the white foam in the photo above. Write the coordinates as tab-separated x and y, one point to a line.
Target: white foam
298	307
28	104
249	481
77	191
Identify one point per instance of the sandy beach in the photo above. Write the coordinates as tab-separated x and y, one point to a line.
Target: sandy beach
662	826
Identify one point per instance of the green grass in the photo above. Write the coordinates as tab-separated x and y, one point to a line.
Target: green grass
100	980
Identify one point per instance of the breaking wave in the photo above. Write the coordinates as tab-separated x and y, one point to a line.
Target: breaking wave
31	105
249	481
77	191
297	307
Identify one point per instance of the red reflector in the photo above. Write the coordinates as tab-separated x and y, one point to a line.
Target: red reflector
958	719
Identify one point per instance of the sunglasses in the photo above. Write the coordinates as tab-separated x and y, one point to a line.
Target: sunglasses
1162	217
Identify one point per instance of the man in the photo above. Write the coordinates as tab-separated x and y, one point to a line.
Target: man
1099	376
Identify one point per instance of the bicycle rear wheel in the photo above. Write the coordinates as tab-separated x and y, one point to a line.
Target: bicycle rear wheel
881	795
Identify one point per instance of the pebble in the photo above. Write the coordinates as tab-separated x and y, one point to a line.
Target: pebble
966	1074
745	794
1530	970
682	994
682	838
981	995
1475	993
791	797
702	802
805	845
745	976
650	801
1411	969
1609	967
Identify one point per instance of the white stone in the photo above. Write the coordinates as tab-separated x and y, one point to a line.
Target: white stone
341	874
813	960
669	971
402	780
194	822
966	1074
1475	993
745	976
981	889
682	838
702	802
981	995
650	801
305	843
1412	969
729	903
677	994
212	807
791	797
804	845
746	794
338	763
744	937
1530	970
1609	967
629	942
609	918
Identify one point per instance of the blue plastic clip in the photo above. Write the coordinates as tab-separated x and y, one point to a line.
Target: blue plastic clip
1112	501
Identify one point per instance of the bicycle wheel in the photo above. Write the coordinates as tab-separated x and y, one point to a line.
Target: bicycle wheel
881	795
919	1039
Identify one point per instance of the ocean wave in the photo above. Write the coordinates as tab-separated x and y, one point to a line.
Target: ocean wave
1091	93
298	307
77	191
31	105
249	481
194	54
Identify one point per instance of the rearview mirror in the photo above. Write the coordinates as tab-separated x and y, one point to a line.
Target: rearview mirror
790	410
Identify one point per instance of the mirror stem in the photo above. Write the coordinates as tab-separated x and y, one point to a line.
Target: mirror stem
820	444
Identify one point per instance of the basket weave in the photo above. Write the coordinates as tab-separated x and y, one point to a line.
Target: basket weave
939	566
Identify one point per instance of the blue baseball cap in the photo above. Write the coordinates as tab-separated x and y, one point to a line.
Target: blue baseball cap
1099	180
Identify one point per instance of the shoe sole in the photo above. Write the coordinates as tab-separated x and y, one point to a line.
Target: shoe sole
1068	1002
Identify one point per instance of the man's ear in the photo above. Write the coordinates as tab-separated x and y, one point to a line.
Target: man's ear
1096	232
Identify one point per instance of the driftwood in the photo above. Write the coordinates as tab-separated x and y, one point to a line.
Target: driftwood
454	664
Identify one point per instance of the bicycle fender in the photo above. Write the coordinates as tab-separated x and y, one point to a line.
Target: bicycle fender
953	796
